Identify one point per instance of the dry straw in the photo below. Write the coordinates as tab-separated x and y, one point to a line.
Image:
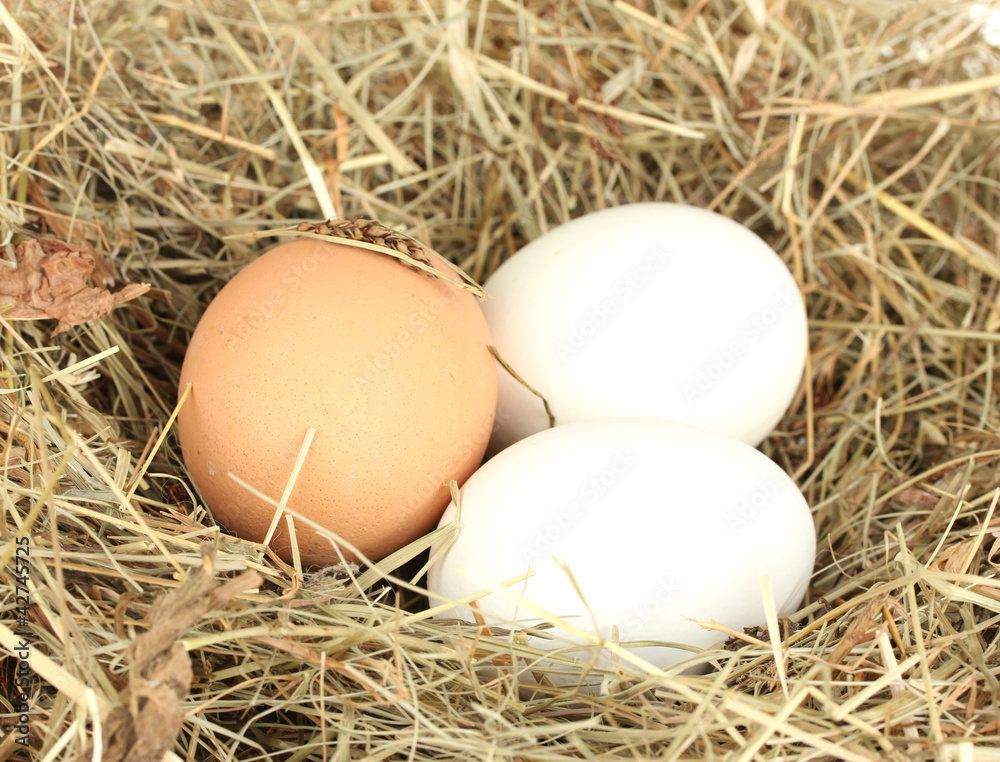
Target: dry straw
860	139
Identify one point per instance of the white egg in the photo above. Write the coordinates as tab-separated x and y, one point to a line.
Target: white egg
650	310
641	524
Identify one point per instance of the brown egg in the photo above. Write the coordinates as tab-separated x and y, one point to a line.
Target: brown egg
389	366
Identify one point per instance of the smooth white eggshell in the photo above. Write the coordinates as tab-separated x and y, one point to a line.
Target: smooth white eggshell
659	523
654	309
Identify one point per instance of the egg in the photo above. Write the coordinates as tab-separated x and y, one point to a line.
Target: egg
644	525
649	309
387	365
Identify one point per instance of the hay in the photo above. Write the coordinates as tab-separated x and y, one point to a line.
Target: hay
859	139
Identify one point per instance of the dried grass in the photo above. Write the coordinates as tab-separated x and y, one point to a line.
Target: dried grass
859	138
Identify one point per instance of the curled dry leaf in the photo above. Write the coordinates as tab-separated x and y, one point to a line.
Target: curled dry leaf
50	281
993	557
78	231
957	558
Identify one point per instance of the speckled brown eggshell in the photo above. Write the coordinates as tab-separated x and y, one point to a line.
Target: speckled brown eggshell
389	366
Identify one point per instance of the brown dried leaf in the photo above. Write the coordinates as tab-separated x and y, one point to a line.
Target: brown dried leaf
955	559
77	231
918	497
50	281
993	557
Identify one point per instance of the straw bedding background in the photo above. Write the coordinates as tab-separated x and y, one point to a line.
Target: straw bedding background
858	138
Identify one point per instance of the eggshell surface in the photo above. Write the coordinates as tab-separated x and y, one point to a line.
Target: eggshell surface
652	310
656	523
389	366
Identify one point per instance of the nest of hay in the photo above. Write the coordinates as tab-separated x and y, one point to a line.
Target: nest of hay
150	140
